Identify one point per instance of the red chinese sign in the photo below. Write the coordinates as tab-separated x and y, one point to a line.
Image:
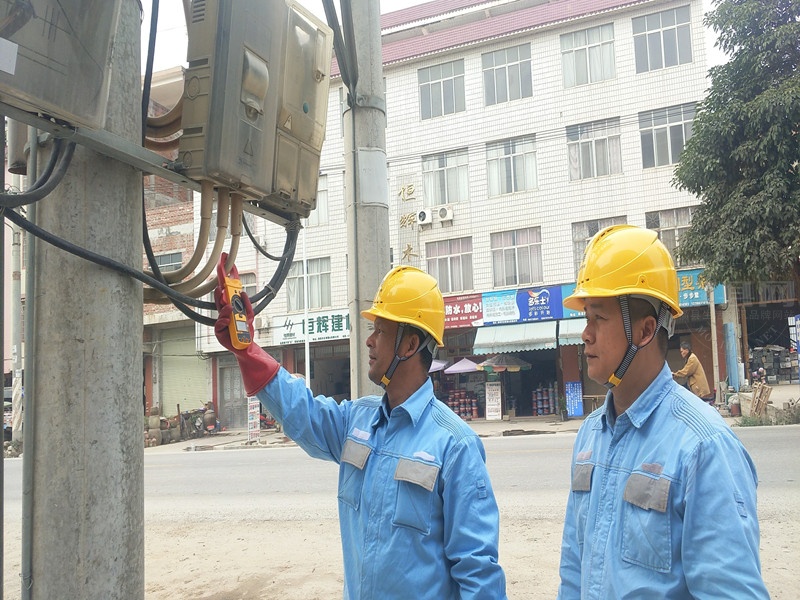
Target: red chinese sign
462	311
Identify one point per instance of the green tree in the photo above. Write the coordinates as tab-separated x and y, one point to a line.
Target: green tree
742	159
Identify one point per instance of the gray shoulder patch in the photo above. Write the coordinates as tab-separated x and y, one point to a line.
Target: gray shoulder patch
355	454
649	493
420	473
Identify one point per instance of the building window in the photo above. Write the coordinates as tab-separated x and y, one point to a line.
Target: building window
584	231
671	225
511	165
450	262
507	74
319	216
169	262
587	56
662	39
664	133
441	89
517	257
249	284
445	178
319	284
594	149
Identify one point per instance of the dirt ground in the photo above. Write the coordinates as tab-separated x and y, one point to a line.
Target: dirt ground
302	560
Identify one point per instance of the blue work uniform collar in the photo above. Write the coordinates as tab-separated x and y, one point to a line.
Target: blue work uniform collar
413	406
645	404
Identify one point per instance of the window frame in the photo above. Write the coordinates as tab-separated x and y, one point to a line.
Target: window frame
319	284
439	176
450	263
508	73
658	34
599	55
504	159
434	83
509	251
657	131
172	264
597	146
319	216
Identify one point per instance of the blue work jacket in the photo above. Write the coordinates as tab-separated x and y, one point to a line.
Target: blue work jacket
662	505
417	513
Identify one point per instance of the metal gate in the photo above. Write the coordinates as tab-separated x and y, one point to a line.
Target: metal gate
232	398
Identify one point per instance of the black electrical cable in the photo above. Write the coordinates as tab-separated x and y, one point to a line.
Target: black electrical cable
148	72
109	263
258	246
17	200
48	170
148	78
270	290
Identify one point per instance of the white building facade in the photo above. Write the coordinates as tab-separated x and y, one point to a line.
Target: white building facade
515	130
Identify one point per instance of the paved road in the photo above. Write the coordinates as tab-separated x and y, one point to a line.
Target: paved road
228	489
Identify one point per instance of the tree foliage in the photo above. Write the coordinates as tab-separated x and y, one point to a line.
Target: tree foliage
742	160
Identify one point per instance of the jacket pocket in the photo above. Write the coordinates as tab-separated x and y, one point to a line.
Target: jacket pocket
646	533
416	482
351	472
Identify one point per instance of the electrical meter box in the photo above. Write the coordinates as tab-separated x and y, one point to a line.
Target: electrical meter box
55	57
256	101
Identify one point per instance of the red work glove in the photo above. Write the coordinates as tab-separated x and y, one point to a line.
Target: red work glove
258	368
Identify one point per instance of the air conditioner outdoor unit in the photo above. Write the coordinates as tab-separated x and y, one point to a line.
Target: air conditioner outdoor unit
425	217
261	323
445	213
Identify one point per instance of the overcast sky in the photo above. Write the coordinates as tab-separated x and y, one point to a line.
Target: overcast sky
171	37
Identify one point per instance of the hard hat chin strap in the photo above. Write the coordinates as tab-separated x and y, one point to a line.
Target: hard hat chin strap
387	377
663	320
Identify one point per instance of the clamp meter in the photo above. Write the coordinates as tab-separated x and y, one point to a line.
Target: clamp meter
232	287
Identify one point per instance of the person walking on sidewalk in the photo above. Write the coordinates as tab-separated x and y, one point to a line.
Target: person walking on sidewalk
663	496
694	374
417	512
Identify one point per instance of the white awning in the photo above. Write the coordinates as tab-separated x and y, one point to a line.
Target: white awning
519	337
570	331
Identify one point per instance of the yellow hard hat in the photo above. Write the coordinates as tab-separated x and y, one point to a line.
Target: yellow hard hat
408	295
626	260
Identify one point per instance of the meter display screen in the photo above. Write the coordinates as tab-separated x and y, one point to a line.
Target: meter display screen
241	326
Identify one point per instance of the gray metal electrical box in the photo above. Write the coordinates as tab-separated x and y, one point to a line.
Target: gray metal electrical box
256	100
55	55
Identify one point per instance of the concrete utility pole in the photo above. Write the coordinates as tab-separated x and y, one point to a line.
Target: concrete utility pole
366	184
16	330
87	531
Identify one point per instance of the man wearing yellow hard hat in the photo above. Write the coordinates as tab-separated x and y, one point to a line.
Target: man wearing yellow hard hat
663	496
417	512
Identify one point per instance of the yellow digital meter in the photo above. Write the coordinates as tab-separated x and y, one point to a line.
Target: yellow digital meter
232	286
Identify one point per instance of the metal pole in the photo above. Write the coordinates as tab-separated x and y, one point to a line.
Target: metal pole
306	333
29	421
714	350
16	328
2	345
367	188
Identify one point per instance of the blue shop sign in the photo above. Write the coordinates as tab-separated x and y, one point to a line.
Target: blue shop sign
692	289
566	290
522	306
539	304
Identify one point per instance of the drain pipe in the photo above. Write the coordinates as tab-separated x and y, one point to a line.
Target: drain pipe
28	445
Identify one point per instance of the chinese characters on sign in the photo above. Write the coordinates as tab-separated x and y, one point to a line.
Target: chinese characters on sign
406	194
462	311
318	327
